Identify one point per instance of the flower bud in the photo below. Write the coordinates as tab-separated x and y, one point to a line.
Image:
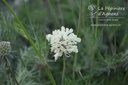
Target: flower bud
5	48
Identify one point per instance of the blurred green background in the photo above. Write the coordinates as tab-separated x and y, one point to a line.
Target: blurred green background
100	59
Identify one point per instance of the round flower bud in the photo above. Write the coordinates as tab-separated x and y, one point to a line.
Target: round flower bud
5	48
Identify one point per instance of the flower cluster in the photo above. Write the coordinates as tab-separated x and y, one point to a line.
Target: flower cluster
5	48
63	41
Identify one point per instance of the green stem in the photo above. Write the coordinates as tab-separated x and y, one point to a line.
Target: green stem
9	70
63	73
97	19
53	13
22	27
30	40
78	28
81	75
80	16
50	76
74	66
73	13
60	12
92	24
124	39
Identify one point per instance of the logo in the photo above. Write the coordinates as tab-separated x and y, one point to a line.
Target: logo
106	15
92	9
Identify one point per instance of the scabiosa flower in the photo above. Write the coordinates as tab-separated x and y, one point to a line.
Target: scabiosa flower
5	48
63	41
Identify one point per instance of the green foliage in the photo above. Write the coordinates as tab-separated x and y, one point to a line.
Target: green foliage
102	57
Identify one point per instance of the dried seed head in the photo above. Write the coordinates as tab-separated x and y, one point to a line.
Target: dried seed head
5	48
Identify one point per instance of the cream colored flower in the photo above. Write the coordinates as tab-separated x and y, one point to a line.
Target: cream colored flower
63	41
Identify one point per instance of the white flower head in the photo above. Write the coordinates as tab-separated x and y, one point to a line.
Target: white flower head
63	41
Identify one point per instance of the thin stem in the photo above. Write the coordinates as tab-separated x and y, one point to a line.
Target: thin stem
78	28
53	13
92	23
63	73
30	40
80	16
73	13
75	62
124	39
81	74
60	12
97	19
9	70
50	76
